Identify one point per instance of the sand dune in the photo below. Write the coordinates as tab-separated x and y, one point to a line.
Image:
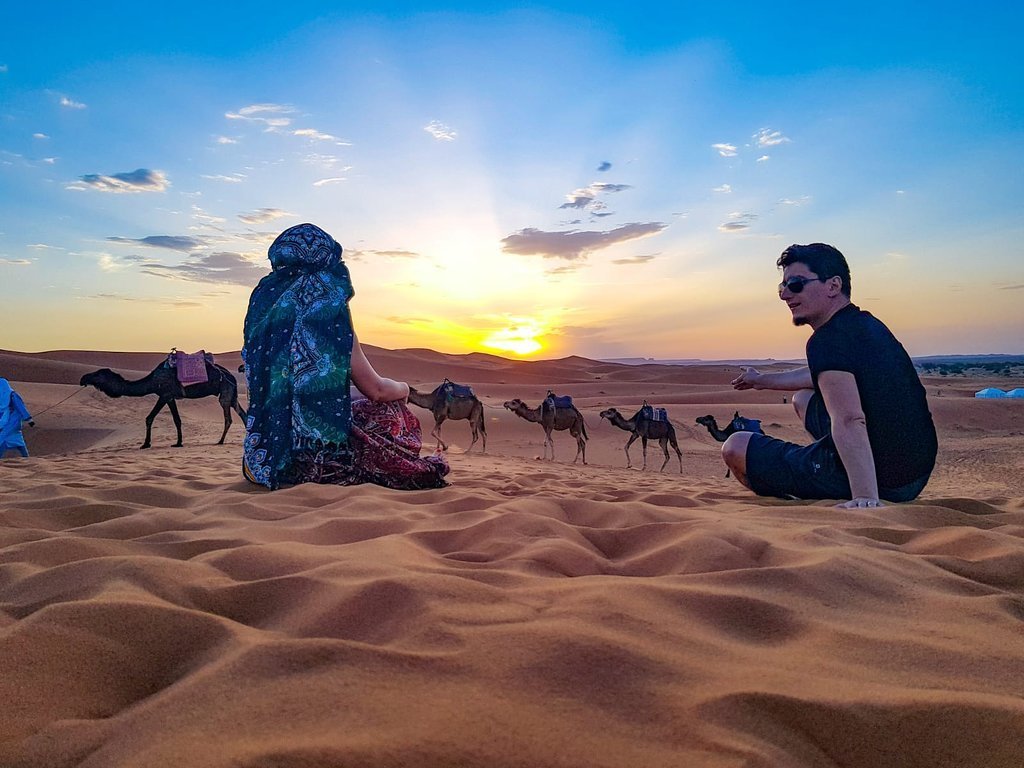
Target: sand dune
157	610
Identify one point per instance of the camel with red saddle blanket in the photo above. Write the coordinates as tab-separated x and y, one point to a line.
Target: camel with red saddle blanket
178	377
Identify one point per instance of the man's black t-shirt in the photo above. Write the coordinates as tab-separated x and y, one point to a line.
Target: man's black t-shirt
900	427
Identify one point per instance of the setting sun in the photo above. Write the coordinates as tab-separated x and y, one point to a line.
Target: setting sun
520	339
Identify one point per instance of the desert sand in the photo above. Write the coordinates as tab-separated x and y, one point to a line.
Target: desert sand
157	610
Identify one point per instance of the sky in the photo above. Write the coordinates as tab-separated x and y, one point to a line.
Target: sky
531	180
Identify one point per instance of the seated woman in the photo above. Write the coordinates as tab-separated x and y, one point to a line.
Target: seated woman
301	355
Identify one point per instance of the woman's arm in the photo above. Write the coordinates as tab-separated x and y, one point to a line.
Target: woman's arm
376	387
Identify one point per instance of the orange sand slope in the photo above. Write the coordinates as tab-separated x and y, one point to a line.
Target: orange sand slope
156	610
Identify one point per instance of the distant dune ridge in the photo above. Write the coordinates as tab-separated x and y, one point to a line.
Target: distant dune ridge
157	610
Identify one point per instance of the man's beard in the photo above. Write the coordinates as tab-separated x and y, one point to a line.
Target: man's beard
800	321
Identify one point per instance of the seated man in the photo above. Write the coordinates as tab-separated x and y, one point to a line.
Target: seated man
859	396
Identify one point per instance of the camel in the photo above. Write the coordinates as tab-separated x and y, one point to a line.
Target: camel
646	429
554	419
738	424
163	382
444	405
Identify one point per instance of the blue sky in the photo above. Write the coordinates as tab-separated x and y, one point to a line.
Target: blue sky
607	180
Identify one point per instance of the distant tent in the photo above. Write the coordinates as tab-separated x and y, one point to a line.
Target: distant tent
1018	392
990	392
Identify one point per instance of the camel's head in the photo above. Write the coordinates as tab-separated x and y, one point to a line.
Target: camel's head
707	421
609	414
514	404
98	379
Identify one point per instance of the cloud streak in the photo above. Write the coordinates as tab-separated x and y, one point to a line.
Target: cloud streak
170	242
262	215
222	267
140	180
738	222
440	131
574	244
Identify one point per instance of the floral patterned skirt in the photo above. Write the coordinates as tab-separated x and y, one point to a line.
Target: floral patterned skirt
384	449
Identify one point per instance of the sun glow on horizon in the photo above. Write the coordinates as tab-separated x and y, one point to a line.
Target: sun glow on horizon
520	339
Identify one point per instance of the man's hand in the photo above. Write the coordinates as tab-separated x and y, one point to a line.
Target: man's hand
31	423
860	502
749	379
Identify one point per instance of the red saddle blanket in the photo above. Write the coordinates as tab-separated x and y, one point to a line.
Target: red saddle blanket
190	368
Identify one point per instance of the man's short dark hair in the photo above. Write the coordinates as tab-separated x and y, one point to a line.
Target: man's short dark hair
822	259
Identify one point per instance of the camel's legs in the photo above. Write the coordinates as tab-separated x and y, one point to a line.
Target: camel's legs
643	440
436	432
227	423
152	415
632	439
177	421
548	441
581	448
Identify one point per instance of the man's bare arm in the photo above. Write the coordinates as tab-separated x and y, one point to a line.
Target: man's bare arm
850	434
751	378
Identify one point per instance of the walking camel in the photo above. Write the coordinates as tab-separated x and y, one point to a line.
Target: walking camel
646	429
163	382
554	419
445	404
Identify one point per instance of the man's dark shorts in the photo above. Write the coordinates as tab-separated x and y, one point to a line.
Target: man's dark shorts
787	470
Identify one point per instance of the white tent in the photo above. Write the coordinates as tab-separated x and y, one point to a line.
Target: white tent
990	392
1018	392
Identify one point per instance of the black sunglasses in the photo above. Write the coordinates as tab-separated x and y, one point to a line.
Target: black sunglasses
796	284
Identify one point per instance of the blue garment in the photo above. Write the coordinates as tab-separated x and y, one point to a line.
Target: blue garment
298	353
12	413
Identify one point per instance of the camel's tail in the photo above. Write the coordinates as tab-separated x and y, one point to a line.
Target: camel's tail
583	422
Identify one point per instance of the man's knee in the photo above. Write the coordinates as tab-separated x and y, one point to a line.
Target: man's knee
734	451
801	399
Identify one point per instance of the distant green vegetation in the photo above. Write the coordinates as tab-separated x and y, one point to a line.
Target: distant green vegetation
1008	368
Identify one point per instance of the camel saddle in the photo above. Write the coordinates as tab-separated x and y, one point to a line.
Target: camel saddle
651	413
452	390
742	424
190	368
558	401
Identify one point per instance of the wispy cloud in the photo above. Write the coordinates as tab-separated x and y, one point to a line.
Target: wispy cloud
140	180
165	302
226	140
15	262
725	189
270	115
725	150
223	267
330	180
235	178
313	133
738	222
764	158
797	201
71	103
636	259
587	196
356	254
1011	287
44	247
40	136
766	137
262	215
574	244
440	131
170	242
604	166
565	269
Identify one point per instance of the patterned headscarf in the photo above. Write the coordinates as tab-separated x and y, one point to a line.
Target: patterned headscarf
297	353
